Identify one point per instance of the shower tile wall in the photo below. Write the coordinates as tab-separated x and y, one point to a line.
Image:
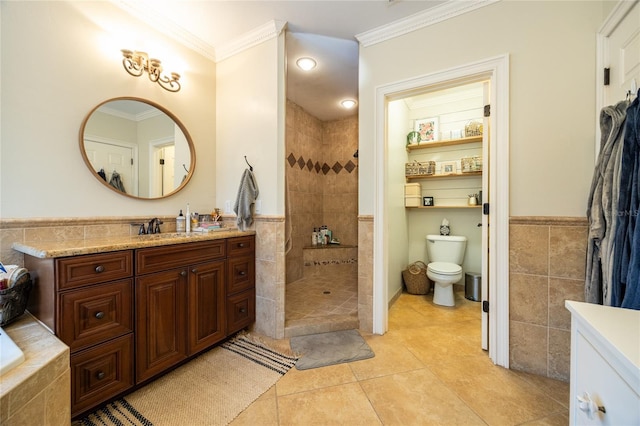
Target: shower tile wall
547	266
322	180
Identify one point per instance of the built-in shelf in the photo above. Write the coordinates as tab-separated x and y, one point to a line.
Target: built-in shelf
449	142
450	175
443	207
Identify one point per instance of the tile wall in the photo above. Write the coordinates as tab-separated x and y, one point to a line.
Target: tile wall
322	181
547	258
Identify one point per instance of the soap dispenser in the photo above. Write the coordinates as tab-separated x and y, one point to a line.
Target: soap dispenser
180	222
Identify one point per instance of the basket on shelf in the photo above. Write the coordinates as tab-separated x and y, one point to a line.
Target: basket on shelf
418	168
13	300
415	278
473	128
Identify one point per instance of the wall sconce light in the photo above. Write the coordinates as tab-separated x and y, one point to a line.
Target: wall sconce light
136	63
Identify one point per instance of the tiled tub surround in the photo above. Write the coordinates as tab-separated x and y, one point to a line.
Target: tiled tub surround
38	391
547	258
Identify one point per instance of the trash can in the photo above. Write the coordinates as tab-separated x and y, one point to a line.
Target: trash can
473	286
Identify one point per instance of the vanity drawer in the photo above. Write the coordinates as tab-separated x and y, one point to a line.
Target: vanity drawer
76	271
241	246
96	313
241	273
241	310
155	259
101	373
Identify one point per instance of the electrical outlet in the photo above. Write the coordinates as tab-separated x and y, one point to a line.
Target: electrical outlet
258	206
227	206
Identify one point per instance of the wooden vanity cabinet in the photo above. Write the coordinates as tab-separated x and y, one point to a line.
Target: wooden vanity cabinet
131	315
179	311
88	302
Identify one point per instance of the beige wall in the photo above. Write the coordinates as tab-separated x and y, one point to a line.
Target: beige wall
66	62
551	45
250	121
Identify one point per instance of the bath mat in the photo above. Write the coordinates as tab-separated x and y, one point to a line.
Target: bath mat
336	347
211	389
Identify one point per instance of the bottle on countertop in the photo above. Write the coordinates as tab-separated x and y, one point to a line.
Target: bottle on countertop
180	223
188	220
314	237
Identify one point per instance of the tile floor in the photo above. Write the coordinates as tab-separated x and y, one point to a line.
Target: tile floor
428	369
322	301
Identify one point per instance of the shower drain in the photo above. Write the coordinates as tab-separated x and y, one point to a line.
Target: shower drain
326	292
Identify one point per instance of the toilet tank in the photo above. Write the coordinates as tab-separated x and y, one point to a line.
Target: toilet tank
446	248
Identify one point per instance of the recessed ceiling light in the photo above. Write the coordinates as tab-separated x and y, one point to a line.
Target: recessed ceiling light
348	103
306	63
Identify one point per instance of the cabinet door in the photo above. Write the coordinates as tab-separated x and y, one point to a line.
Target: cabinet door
206	305
161	314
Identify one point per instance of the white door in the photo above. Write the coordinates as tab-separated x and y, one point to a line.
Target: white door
623	47
111	158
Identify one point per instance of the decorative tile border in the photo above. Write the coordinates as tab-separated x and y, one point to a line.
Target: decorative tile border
337	167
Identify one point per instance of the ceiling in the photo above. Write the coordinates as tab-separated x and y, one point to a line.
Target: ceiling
323	29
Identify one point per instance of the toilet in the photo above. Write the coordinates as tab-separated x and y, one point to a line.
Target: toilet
445	255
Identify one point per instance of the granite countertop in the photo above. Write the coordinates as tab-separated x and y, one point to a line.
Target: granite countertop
51	249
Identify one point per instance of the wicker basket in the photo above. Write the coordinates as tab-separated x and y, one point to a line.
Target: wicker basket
13	301
415	278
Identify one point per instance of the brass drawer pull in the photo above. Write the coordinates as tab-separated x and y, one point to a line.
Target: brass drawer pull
241	245
242	273
99	268
99	315
242	310
183	273
100	375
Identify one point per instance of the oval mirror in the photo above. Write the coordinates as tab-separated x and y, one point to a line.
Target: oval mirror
137	148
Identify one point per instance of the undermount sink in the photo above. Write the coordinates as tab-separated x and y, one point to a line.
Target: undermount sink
169	235
10	354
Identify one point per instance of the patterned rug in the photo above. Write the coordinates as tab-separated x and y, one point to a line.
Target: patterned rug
211	389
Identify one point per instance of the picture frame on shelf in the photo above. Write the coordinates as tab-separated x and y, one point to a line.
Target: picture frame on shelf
427	201
428	129
448	168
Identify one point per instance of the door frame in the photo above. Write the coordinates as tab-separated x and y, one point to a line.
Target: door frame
496	70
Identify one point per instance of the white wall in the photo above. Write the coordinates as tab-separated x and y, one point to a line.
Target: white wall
552	57
398	221
250	121
61	59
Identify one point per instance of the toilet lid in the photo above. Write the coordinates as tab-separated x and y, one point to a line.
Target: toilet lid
444	268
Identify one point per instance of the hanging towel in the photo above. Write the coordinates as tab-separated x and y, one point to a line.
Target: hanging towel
247	194
116	182
625	286
102	174
603	199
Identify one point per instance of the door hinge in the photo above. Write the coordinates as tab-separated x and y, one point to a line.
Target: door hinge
162	161
607	76
485	208
487	110
485	306
131	161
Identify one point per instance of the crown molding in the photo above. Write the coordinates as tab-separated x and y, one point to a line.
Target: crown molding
271	29
141	11
423	19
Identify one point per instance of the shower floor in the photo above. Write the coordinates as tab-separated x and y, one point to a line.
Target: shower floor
321	302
